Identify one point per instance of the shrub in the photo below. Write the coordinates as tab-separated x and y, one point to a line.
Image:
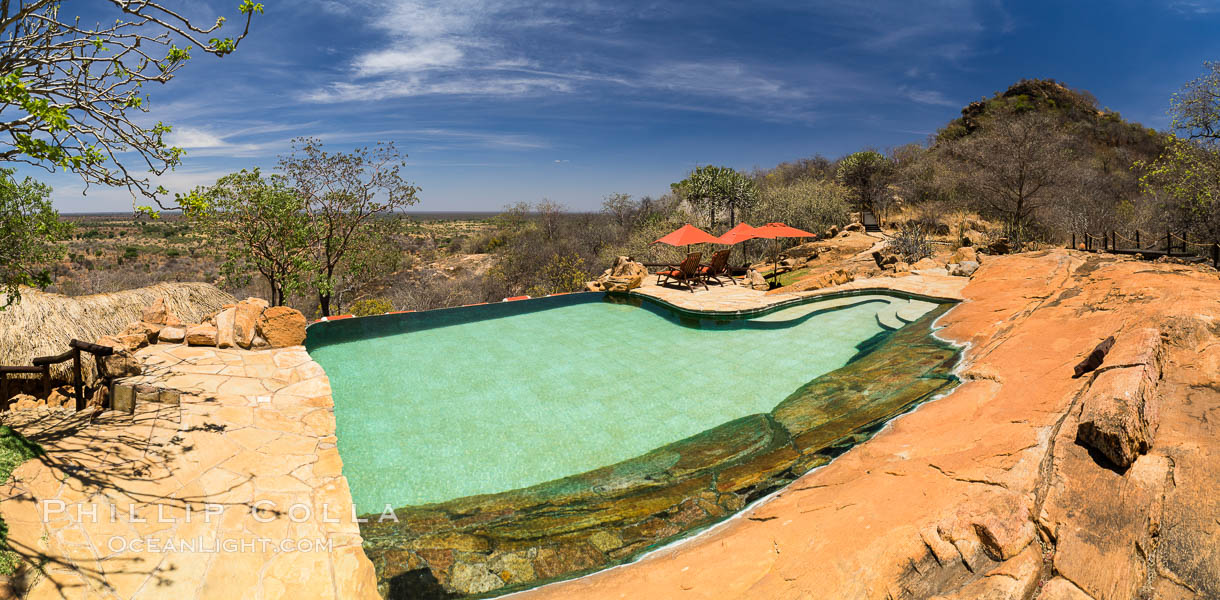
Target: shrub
807	204
911	243
371	306
131	252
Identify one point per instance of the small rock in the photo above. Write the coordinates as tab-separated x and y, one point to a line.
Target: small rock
963	269
120	364
201	335
902	267
925	263
148	330
172	335
756	281
594	286
854	227
473	578
61	397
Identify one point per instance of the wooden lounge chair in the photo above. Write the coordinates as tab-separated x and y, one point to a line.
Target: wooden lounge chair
717	268
684	273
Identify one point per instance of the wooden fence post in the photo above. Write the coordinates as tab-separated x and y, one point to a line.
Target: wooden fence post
78	380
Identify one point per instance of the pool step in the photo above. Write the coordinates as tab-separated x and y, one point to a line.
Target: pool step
912	310
887	317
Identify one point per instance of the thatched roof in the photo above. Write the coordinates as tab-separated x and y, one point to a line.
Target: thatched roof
42	324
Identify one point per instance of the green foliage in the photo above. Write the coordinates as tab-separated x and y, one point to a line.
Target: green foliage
345	195
710	188
1187	177
1196	108
911	243
29	228
74	89
131	252
260	224
561	274
810	204
865	173
371	306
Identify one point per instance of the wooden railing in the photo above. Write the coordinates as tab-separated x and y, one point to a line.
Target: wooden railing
1150	246
42	366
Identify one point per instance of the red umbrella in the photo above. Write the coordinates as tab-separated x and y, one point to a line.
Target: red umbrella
686	235
740	233
774	231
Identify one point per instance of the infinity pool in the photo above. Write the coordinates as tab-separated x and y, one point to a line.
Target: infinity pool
450	403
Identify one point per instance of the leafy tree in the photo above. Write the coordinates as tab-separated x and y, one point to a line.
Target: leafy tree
712	188
866	174
809	204
1187	177
1015	166
1196	108
260	224
69	92
29	228
343	193
621	208
371	258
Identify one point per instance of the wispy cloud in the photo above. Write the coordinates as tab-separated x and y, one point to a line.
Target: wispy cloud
931	97
1198	7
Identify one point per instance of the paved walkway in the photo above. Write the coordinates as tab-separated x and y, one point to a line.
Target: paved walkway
739	298
237	492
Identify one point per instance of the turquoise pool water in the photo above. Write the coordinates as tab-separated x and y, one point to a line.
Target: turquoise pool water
444	404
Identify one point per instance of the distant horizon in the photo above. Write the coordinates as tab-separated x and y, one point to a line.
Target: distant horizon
499	103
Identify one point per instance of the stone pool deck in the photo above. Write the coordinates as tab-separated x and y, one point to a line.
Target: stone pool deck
242	478
730	298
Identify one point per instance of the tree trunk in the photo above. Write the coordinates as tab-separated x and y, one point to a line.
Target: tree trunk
324	304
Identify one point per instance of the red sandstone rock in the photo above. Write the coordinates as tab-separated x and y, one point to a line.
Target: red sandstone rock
1115	412
282	326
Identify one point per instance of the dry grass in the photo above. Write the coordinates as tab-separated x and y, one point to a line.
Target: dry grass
42	324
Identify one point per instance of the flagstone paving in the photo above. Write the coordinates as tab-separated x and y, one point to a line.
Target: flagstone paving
236	492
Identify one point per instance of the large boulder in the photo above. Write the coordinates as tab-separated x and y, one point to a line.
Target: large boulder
202	334
282	326
925	263
245	320
625	267
157	313
224	328
623	284
854	227
594	286
824	280
963	254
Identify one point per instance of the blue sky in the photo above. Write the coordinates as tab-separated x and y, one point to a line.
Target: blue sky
500	102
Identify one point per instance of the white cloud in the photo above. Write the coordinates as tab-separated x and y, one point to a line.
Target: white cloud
931	97
187	137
